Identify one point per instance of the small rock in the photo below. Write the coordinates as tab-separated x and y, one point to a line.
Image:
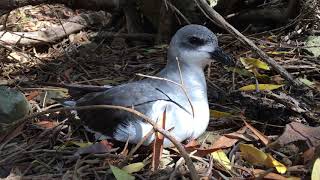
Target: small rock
13	106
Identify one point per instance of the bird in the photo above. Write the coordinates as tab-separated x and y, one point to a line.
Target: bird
191	49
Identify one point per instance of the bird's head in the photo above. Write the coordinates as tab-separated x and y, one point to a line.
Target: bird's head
196	45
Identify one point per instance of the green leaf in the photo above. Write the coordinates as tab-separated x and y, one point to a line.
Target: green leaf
134	167
121	174
306	81
251	63
313	41
262	87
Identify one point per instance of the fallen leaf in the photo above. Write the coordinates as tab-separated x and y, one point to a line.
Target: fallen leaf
203	152
306	81
238	134
240	71
313	41
278	52
219	114
278	79
158	142
121	174
308	155
222	158
252	154
261	87
96	148
32	95
296	131
134	167
315	170
258	157
261	174
252	63
192	143
264	139
271	162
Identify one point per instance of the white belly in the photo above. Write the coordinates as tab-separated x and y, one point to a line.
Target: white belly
183	125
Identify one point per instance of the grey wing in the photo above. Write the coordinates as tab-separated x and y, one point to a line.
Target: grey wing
140	95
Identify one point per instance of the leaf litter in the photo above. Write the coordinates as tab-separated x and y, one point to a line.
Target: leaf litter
282	128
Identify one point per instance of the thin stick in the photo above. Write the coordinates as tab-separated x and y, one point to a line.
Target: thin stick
169	80
136	147
182	85
217	19
167	134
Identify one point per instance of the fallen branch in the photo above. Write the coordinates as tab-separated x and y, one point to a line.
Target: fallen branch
53	34
179	146
7	6
220	21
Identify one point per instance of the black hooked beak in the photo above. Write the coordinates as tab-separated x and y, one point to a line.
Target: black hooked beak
221	56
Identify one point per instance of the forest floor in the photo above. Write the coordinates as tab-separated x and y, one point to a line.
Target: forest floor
282	121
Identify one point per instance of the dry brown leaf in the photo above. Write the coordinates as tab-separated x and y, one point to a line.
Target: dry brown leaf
32	95
224	142
264	139
100	147
229	140
191	144
259	173
298	132
158	143
309	155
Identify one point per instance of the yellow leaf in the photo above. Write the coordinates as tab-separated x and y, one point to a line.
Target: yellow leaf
251	63
271	162
134	167
315	170
218	114
278	52
222	158
255	156
252	154
261	87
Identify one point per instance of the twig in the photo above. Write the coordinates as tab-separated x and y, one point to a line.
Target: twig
182	85
136	147
169	80
178	12
220	21
166	133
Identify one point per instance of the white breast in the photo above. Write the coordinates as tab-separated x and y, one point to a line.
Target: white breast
183	125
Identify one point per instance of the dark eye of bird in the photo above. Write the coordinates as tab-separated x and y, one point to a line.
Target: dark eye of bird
196	41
